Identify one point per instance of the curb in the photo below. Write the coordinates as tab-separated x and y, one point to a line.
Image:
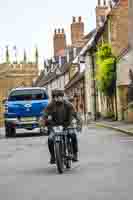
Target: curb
114	128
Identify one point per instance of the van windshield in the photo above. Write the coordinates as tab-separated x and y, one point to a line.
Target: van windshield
29	94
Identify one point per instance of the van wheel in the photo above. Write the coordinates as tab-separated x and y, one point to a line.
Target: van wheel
10	132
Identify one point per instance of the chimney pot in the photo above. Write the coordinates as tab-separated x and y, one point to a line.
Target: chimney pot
80	18
99	2
58	30
62	30
104	2
74	19
55	31
110	4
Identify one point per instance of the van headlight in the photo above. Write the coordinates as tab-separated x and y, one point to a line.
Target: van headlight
6	108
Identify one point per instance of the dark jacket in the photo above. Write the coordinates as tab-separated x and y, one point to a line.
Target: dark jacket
61	114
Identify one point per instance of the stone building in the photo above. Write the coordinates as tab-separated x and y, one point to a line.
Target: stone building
125	65
16	75
116	28
113	19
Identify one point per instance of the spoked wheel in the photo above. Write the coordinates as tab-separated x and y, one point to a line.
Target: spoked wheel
69	159
59	157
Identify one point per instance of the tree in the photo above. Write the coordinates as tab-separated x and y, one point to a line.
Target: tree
106	74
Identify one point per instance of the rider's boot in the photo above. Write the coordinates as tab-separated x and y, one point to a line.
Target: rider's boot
52	160
75	157
51	150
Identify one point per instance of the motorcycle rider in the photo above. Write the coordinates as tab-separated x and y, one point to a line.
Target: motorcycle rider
60	112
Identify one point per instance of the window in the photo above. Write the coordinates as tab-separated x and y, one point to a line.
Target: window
29	94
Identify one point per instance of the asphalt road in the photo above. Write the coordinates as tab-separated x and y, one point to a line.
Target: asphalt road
104	172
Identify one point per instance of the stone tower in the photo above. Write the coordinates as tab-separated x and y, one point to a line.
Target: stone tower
77	30
59	42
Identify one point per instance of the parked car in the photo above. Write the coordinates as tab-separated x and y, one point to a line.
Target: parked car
24	108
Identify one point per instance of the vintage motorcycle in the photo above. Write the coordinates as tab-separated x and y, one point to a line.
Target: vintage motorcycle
63	146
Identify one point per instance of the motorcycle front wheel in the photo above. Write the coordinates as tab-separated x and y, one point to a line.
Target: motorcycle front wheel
59	157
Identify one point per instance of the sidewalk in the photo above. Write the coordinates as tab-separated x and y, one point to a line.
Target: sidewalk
125	127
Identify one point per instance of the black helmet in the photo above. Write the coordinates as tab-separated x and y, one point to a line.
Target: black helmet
57	92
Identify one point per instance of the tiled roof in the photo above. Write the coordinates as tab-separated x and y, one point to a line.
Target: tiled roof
52	75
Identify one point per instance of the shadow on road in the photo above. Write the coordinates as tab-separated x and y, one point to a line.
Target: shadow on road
51	170
21	135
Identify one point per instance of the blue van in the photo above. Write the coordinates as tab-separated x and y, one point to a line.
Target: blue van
24	108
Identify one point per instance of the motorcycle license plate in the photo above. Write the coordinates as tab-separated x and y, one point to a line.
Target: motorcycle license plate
57	138
58	129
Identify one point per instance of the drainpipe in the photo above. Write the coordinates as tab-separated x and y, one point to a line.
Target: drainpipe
116	110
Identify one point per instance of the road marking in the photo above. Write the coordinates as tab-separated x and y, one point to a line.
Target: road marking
126	140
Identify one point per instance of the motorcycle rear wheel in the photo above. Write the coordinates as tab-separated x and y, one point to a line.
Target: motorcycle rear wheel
69	160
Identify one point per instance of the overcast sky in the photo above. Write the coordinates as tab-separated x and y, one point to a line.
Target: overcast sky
26	23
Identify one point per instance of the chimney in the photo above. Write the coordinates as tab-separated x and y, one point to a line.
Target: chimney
59	40
101	12
74	19
77	30
104	2
80	19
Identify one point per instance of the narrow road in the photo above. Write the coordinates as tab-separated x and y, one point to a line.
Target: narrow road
104	172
